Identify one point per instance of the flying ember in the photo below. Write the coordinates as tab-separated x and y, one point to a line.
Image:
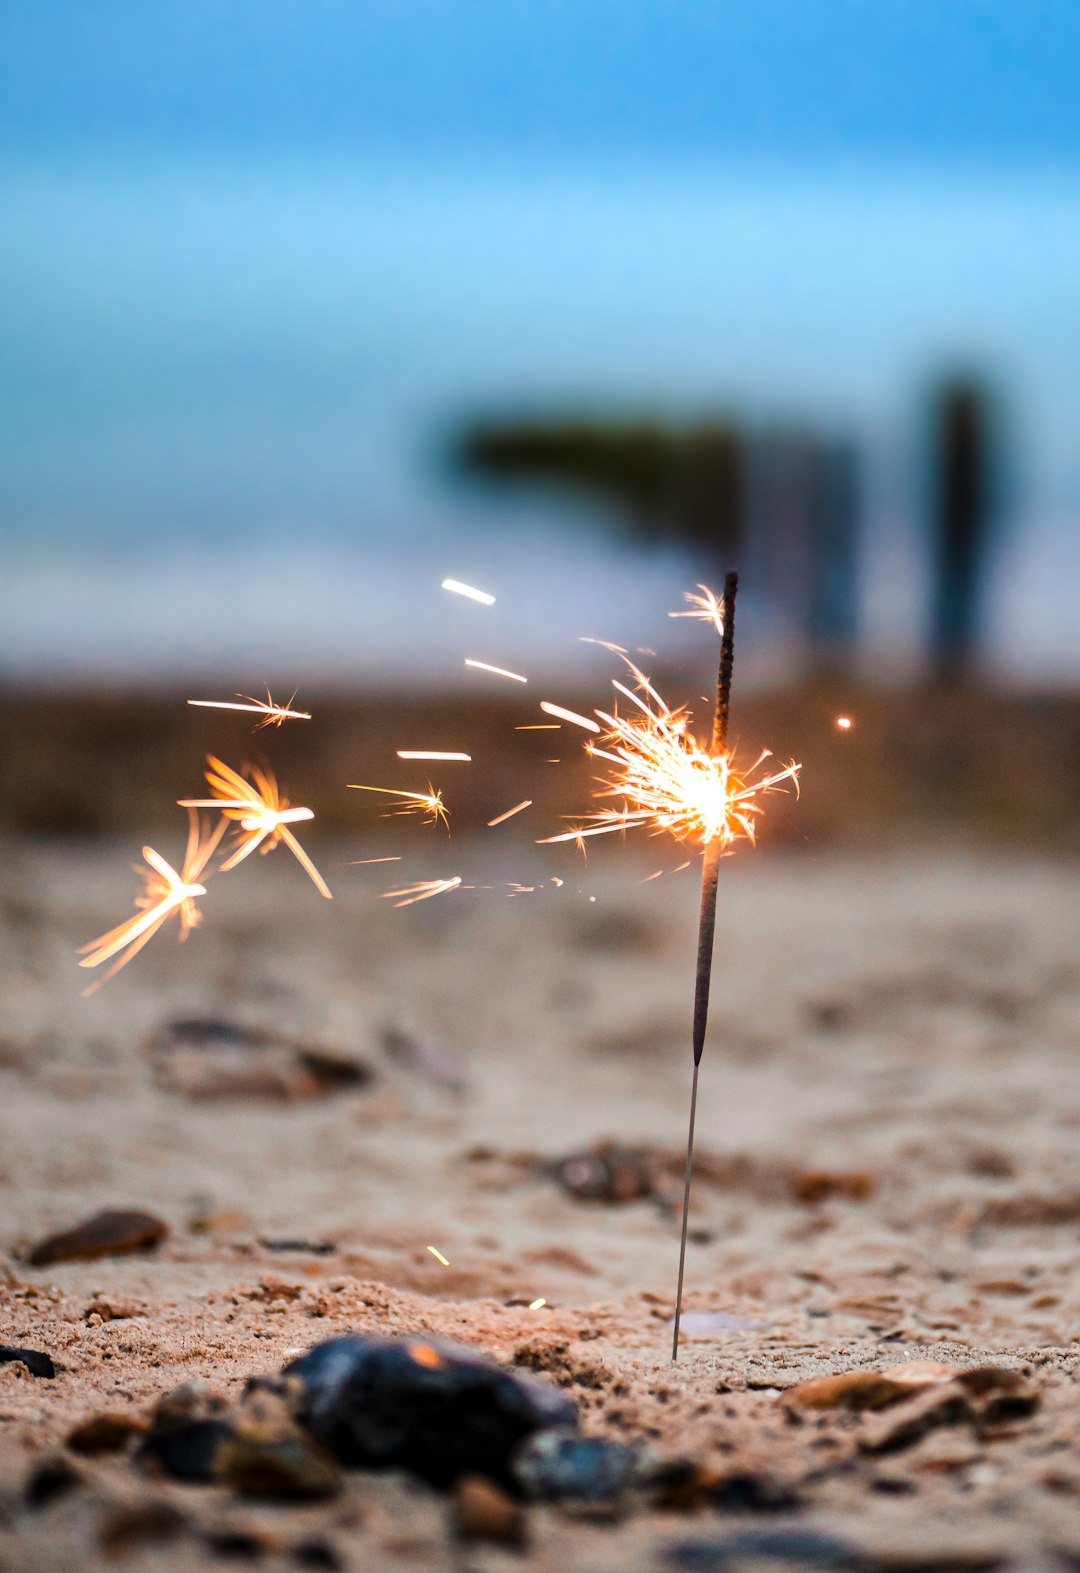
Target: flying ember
261	814
164	892
429	803
272	714
456	587
499	671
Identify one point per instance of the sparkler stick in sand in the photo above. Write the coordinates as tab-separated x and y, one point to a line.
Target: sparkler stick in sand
272	714
664	780
164	892
262	815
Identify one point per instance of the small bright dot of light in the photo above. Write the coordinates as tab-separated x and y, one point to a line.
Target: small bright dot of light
438	1255
534	1305
844	722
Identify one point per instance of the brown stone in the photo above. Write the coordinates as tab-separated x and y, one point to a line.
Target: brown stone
114	1232
104	1433
482	1511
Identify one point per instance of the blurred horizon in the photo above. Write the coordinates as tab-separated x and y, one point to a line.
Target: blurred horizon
258	275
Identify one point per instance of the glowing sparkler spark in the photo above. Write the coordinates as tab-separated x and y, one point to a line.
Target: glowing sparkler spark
568	715
423	890
499	671
260	813
272	714
510	812
666	781
706	607
536	1305
429	803
438	1255
456	587
845	723
164	892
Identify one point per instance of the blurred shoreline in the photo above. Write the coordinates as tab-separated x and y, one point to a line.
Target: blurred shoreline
916	765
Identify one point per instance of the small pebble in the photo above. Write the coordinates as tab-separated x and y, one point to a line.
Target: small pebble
483	1511
35	1360
114	1232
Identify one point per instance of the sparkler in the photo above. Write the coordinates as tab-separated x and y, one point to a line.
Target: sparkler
260	813
705	607
164	892
664	780
272	714
499	671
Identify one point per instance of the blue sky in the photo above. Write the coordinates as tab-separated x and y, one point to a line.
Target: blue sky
804	80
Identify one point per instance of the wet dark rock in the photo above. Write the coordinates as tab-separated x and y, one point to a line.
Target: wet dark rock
282	1466
114	1232
483	1511
132	1525
35	1360
206	1058
48	1481
430	1406
104	1433
803	1548
561	1466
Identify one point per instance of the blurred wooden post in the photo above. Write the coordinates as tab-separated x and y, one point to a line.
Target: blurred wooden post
960	503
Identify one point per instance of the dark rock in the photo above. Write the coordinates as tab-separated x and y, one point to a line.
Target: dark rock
49	1480
561	1466
811	1187
803	1548
35	1361
235	1545
131	1525
104	1433
301	1247
188	1430
114	1232
433	1407
749	1491
282	1466
188	1451
607	1173
206	1058
315	1553
483	1511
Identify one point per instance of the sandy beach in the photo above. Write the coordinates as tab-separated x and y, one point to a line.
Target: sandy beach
889	1173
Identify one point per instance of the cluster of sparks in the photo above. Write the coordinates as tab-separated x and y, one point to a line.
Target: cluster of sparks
664	780
657	777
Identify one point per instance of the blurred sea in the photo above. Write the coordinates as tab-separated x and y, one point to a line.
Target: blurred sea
225	393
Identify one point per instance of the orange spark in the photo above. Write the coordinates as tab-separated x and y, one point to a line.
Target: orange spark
272	714
423	890
164	892
568	715
541	726
705	607
456	587
429	802
844	722
259	812
666	781
499	671
356	863
510	812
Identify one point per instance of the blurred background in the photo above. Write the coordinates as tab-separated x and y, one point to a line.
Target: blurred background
307	306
